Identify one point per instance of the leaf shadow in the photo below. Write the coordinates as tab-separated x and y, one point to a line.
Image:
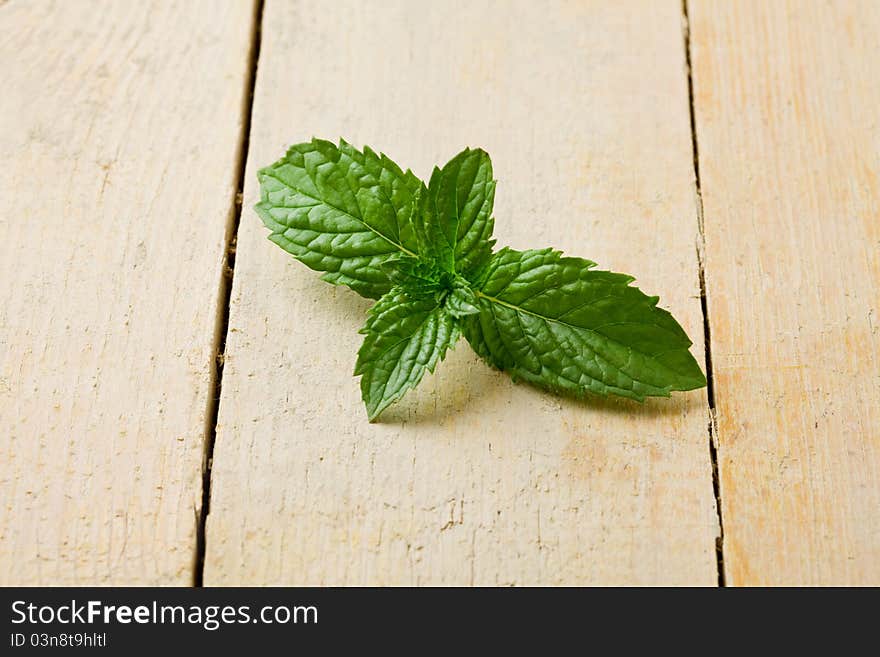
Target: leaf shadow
465	385
677	403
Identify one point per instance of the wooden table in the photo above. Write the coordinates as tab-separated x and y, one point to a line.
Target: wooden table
176	398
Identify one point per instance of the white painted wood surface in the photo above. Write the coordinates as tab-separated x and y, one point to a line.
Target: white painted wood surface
472	479
787	98
119	138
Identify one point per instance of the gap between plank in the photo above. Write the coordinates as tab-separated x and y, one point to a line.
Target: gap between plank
224	295
707	333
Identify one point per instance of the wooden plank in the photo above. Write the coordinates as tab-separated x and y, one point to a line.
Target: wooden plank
787	98
121	126
472	479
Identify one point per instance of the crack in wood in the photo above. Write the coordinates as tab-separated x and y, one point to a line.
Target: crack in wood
225	295
707	334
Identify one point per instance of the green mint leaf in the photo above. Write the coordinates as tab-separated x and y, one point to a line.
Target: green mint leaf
462	301
426	253
405	337
340	211
417	277
454	222
557	323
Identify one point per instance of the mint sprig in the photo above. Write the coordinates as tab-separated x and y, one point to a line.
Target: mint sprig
426	253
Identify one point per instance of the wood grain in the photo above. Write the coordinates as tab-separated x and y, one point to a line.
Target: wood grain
787	97
472	479
121	124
